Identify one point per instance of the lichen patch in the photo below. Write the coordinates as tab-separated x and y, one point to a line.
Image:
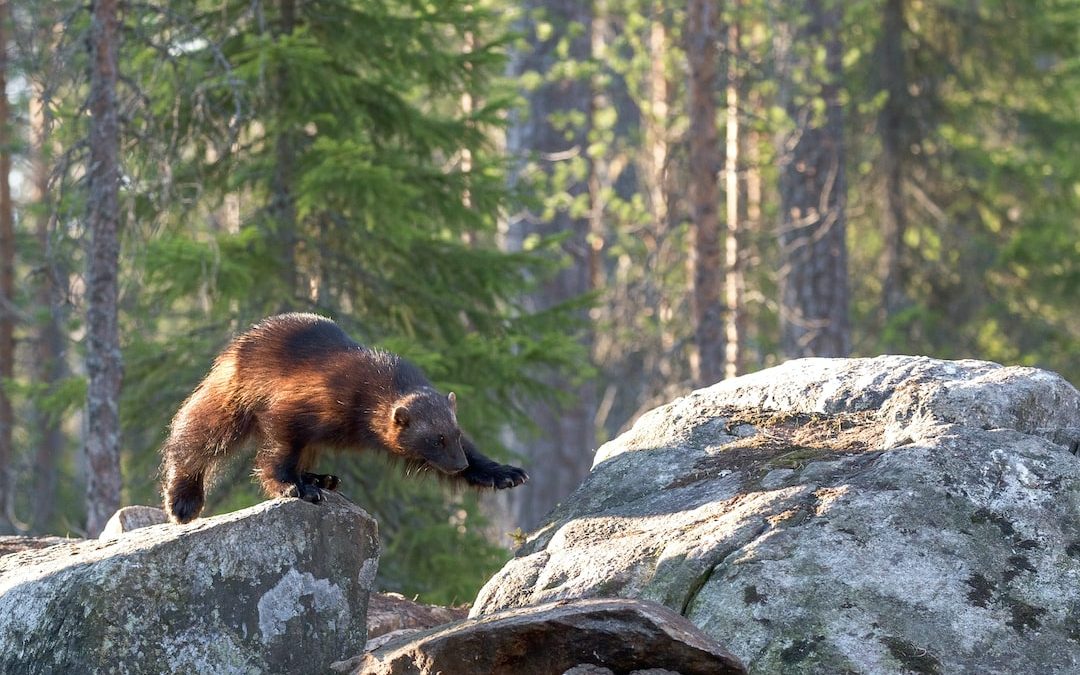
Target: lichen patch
286	601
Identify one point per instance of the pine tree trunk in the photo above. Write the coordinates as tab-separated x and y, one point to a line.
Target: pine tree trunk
656	117
659	363
706	263
734	328
813	275
891	126
753	352
7	283
48	365
561	455
282	207
103	360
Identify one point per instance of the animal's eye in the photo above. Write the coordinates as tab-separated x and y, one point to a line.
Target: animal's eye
442	440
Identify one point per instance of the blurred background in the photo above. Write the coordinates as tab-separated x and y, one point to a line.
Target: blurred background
566	211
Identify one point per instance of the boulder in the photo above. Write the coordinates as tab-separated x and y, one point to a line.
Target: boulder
585	636
281	587
132	518
878	515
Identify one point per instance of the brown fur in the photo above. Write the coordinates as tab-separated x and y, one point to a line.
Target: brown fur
296	383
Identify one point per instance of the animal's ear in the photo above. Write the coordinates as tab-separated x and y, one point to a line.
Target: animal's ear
452	397
401	416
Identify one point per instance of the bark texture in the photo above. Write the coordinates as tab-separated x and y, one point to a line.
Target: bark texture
813	274
893	129
7	282
734	283
706	261
103	361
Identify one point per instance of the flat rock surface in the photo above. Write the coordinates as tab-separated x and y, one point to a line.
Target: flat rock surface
281	587
586	636
15	543
896	514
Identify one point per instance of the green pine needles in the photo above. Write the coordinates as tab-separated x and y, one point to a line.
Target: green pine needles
335	156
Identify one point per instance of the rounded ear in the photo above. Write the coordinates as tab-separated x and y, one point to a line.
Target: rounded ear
401	416
452	397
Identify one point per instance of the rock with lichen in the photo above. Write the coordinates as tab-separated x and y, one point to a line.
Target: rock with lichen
896	514
281	587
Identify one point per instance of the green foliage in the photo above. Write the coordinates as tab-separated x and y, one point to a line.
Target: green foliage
330	162
991	172
375	220
339	157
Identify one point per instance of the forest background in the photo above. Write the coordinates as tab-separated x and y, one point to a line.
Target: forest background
566	211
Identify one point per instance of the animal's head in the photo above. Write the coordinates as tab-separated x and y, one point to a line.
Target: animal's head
426	428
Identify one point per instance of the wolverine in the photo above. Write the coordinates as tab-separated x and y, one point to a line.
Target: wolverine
296	383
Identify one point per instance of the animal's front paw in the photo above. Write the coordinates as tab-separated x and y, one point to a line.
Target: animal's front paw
326	481
498	476
305	491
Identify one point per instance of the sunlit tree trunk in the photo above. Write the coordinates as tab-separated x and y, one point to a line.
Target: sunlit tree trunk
661	364
813	274
560	456
655	120
734	283
103	360
637	296
7	282
706	262
664	364
752	351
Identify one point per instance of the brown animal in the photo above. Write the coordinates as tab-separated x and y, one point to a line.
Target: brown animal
296	383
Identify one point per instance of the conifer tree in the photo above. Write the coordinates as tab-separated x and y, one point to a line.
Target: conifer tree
337	172
103	359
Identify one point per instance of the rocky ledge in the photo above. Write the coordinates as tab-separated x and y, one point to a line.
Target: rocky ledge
279	587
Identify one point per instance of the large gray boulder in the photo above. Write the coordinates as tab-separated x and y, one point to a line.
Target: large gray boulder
281	587
879	515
